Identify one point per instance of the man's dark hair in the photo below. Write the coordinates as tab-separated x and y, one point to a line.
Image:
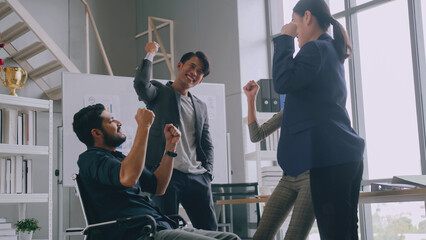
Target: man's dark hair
85	120
203	58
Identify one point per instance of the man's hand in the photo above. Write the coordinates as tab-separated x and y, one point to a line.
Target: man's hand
144	117
289	29
172	135
152	47
251	89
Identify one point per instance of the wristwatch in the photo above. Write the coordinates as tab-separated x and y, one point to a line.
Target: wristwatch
171	154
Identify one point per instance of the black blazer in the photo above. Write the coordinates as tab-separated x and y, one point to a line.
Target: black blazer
164	101
316	130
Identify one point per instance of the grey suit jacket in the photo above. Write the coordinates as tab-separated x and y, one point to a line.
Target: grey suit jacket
164	101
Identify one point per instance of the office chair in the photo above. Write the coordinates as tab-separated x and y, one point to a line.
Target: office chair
233	191
93	231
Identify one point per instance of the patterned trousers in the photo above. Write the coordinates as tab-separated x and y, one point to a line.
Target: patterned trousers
290	192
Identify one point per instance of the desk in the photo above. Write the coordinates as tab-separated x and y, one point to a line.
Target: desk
409	195
256	199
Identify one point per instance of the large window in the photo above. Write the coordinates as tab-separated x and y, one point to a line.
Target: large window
392	141
399	221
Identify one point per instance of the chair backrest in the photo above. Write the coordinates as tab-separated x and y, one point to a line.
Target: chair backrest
232	191
235	190
87	213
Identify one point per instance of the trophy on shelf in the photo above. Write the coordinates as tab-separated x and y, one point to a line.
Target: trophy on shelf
13	78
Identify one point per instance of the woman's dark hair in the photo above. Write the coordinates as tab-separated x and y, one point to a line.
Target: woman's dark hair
87	119
203	58
320	10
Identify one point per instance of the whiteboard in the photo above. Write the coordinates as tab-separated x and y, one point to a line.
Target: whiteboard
119	97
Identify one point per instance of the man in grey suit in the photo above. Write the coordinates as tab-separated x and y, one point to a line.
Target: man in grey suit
190	184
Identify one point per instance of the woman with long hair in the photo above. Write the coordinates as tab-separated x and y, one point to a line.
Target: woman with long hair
316	132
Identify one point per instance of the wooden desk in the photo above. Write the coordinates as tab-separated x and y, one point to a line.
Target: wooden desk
257	199
409	195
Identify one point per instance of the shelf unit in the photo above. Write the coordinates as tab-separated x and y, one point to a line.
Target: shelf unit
22	200
257	154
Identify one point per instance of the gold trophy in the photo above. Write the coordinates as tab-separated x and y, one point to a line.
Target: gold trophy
13	79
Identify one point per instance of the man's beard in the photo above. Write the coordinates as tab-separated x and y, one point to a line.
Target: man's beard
113	140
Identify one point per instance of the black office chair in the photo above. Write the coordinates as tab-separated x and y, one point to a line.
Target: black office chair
233	191
93	231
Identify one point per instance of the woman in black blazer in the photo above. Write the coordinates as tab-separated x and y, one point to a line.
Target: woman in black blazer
316	133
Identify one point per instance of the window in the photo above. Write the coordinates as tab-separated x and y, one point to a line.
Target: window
336	6
399	220
359	2
288	6
388	89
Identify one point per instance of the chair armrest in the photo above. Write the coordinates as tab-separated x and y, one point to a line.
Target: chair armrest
149	226
74	231
178	219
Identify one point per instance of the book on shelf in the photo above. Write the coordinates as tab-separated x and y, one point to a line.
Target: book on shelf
2	175
271	178
29	176
8	167
267	99
10	126
35	128
7	232
18	174
18	127
30	127
5	225
263	100
1	125
13	175
15	237
24	176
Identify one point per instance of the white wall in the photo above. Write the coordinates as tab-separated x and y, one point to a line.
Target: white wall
63	20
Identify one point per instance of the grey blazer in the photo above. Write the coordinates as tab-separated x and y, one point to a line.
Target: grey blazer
164	101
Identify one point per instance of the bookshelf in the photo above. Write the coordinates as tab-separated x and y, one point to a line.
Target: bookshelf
261	157
28	151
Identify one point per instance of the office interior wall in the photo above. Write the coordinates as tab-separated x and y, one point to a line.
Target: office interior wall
63	20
